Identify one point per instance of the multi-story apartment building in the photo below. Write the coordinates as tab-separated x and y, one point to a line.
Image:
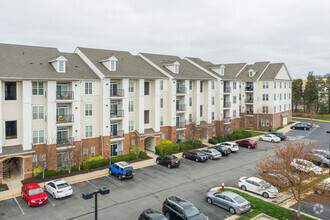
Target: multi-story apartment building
58	106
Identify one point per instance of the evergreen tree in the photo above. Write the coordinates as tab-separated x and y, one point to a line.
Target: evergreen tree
311	94
297	93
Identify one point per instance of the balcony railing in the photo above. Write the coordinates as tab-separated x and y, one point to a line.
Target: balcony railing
65	118
116	134
227	89
64	95
249	88
119	113
182	107
226	104
117	92
249	112
64	141
181	89
227	119
248	100
181	124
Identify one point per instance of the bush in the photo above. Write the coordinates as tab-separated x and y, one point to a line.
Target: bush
186	146
74	168
143	155
88	159
213	141
49	173
95	164
197	143
62	171
125	157
240	136
166	142
164	149
134	150
37	170
39	175
219	139
247	134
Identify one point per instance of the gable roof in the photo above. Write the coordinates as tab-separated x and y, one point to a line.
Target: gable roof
258	67
31	62
186	71
272	71
127	66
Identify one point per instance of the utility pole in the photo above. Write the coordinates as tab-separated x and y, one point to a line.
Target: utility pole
89	195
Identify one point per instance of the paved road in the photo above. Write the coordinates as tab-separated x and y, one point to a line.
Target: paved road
315	209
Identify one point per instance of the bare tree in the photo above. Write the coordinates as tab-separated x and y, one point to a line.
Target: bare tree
74	157
288	171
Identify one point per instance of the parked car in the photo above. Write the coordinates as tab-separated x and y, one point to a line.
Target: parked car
177	208
323	187
231	145
259	186
247	143
324	153
306	166
300	126
270	138
228	200
212	153
122	169
34	195
280	135
168	160
150	214
198	156
307	123
223	150
58	188
278	180
318	160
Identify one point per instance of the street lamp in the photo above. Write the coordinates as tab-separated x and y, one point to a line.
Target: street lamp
89	195
329	137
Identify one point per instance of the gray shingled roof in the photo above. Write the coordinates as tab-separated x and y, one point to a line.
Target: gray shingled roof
231	69
31	62
186	69
258	67
127	66
271	72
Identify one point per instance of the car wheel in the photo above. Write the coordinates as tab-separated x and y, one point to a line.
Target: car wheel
120	177
266	195
243	188
168	215
22	195
110	172
157	162
232	210
169	165
305	129
209	200
29	204
260	139
249	146
294	128
54	196
184	156
273	141
196	160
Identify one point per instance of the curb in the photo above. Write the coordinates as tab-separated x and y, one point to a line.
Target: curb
311	119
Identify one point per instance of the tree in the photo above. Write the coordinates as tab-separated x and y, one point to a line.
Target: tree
311	94
279	171
327	87
74	157
297	93
322	100
48	159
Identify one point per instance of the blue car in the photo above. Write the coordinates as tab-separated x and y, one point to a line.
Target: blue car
122	169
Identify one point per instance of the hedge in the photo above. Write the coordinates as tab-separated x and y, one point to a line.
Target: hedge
62	171
143	155
37	170
134	150
164	149
166	142
94	164
236	135
88	159
125	157
74	168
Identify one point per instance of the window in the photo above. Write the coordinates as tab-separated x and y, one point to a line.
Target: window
289	107
190	85
274	96
239	97
161	102
34	160
146	88
61	66
212	116
88	131
133	142
201	111
10	90
234	99
267	122
42	158
274	85
37	112
146	117
213	131
280	96
284	107
264	109
234	85
262	122
284	96
161	120
280	85
85	152
190	101
112	65
289	85
285	85
234	113
212	85
131	125
212	100
163	136
131	106
92	151
201	86
88	109
280	108
11	129
265	97
161	84
131	86
265	85
289	96
190	117
274	109
250	73
38	136
37	88
176	68
88	88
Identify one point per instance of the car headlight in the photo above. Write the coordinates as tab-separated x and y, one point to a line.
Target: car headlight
33	201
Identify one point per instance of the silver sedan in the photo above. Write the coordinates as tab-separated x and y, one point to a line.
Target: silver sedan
212	153
228	200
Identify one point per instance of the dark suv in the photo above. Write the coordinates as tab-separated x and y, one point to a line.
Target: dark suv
280	135
168	160
178	208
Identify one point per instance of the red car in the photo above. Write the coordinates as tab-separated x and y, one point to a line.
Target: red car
247	143
34	195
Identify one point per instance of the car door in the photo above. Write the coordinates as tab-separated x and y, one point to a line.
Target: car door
161	159
220	200
245	143
228	202
193	155
249	185
25	194
115	169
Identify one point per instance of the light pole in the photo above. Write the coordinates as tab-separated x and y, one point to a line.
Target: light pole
329	138
89	195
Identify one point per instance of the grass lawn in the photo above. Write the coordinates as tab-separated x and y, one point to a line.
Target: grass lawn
256	133
260	206
320	179
323	117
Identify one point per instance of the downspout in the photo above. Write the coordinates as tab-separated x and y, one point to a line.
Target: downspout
102	144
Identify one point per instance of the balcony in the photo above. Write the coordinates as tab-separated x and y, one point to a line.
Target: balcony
64	95
249	100
181	90
249	112
182	107
65	118
117	134
227	89
117	93
249	89
226	104
65	141
118	114
181	124
227	120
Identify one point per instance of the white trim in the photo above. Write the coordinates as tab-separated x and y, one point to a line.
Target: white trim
154	65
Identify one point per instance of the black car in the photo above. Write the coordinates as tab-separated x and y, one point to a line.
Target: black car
178	208
168	160
307	123
222	149
300	126
195	155
280	135
150	214
318	160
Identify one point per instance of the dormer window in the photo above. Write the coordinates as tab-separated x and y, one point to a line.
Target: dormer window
176	67
251	72
110	63
59	63
222	70
61	66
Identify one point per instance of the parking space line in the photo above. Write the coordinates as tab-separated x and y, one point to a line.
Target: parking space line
51	201
19	206
93	184
77	195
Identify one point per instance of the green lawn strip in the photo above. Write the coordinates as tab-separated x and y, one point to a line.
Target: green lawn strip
260	206
323	117
256	133
320	179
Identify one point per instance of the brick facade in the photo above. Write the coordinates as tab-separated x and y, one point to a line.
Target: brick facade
169	132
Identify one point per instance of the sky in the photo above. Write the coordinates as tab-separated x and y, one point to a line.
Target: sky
296	32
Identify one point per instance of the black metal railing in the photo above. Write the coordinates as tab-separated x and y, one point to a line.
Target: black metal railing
249	88
65	118
118	133
119	113
248	100
64	95
226	104
117	93
182	107
64	141
227	89
181	124
181	89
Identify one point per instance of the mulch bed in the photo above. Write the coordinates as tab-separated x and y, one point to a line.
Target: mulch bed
37	180
3	187
295	217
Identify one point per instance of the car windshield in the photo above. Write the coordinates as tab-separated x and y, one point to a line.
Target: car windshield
36	191
62	185
264	184
239	199
252	142
171	157
191	211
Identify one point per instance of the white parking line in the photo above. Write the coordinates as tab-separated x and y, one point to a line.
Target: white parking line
93	184
19	206
77	195
51	201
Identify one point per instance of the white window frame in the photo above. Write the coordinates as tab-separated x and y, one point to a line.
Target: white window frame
234	99
161	121
161	84
130	106
234	85
161	102
85	152
88	109
39	135
212	116
131	125
131	86
88	131
212	100
38	88
92	151
234	113
190	101
39	113
176	68
112	65
190	84
35	160
61	68
212	85
88	88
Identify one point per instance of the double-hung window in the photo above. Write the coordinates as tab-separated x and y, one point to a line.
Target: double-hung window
88	109
88	88
37	88
38	136
38	112
88	131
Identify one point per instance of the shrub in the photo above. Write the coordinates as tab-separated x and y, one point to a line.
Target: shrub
39	175
186	146
143	155
232	136
247	134
166	142
95	164
37	170
49	173
197	143
225	138
240	136
213	141
220	139
74	168
62	171
164	149
88	159
125	157
134	150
